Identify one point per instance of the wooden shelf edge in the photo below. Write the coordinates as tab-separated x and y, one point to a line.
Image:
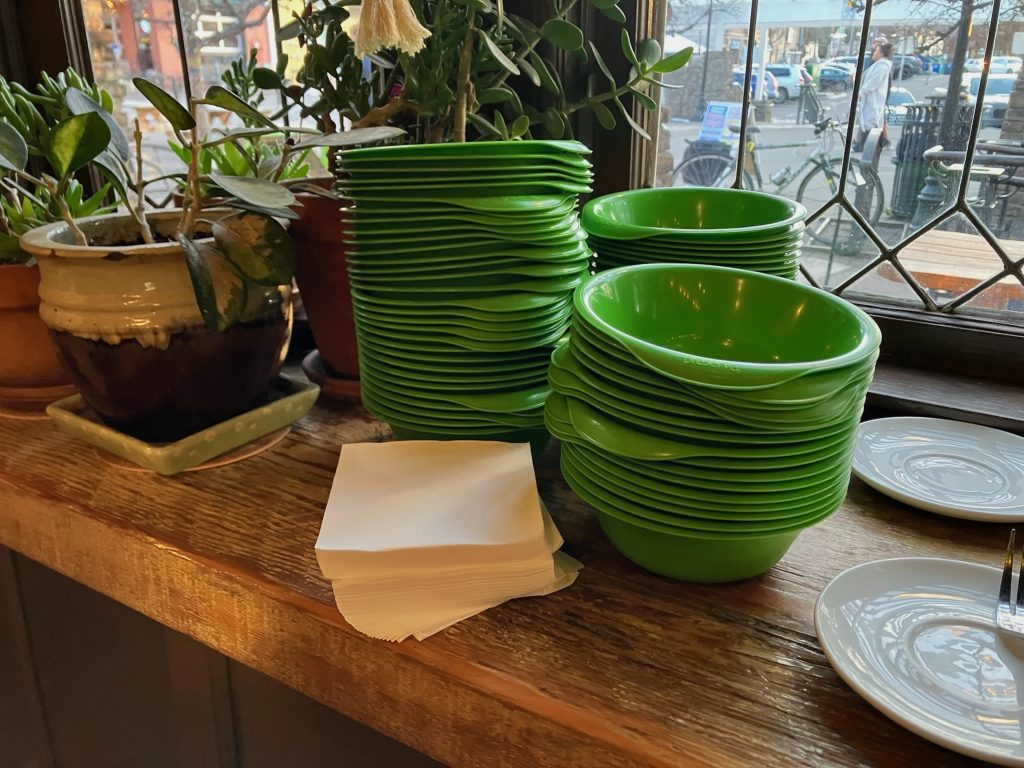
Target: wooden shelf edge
394	689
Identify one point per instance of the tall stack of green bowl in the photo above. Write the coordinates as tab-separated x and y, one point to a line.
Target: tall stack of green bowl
465	259
695	225
708	414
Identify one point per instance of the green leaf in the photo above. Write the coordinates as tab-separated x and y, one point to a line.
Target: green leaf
554	122
562	34
495	95
627	49
548	79
221	97
673	62
644	100
520	126
485	127
504	61
267	78
258	246
351	137
603	4
166	105
670	86
499	123
600	63
289	31
79	103
13	149
261	192
220	291
629	119
604	115
75	142
113	170
650	52
238	133
530	72
614	13
277	213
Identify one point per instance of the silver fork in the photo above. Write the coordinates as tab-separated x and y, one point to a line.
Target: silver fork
1010	615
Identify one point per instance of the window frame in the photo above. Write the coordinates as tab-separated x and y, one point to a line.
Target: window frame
914	337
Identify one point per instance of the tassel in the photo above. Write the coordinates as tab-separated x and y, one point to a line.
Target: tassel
379	24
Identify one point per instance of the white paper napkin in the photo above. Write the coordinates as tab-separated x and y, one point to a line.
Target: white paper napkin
420	535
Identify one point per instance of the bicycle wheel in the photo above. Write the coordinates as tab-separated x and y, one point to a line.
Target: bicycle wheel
704	171
836	226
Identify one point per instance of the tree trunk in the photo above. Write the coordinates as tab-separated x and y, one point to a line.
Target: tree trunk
949	134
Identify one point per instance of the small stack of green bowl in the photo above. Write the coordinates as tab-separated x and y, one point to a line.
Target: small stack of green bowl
708	414
464	261
695	225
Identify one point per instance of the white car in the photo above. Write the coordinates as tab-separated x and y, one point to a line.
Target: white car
998	65
896	105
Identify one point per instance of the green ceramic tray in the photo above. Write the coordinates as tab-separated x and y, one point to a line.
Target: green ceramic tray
291	401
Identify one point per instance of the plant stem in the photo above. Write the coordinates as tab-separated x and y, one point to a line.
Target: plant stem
140	192
194	199
65	212
465	63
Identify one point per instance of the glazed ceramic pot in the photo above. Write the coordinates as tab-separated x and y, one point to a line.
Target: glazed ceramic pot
321	272
129	334
28	361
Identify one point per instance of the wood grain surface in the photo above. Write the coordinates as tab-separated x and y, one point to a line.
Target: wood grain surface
622	669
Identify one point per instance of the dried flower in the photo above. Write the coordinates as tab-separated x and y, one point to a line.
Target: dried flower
378	24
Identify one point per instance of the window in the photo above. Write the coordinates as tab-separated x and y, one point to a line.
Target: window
939	231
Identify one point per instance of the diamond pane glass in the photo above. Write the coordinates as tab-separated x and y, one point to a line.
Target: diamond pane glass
836	248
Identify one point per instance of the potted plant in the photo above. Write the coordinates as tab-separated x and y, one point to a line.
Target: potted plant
166	322
30	374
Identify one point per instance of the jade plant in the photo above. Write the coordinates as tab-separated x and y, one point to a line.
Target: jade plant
458	64
30	120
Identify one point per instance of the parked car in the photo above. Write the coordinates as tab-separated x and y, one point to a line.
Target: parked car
789	78
997	96
771	87
896	105
850	61
833	77
998	65
905	66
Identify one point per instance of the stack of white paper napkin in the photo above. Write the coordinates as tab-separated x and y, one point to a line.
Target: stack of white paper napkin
418	535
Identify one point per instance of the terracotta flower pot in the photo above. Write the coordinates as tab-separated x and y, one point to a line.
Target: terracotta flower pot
130	336
27	358
321	272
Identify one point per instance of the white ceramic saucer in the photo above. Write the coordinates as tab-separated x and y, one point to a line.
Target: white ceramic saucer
948	467
916	637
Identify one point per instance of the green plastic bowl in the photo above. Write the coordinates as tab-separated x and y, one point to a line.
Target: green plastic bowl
726	328
688	557
732	215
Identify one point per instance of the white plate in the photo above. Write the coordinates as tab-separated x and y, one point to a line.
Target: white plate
916	637
949	467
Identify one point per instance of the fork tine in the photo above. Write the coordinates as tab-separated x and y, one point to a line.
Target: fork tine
1019	608
1005	585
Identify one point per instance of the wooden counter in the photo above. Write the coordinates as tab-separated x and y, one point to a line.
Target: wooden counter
624	668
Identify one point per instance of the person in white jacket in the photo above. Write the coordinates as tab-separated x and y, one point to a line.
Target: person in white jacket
874	91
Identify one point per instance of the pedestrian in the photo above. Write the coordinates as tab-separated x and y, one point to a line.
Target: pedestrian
874	92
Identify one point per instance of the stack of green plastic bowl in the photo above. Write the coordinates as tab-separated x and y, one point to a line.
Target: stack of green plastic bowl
708	414
696	225
464	262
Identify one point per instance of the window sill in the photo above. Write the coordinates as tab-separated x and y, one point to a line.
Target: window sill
902	390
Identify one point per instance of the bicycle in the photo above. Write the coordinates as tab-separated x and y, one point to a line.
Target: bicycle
816	188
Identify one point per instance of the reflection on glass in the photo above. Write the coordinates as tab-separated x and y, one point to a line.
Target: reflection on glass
138	38
806	60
